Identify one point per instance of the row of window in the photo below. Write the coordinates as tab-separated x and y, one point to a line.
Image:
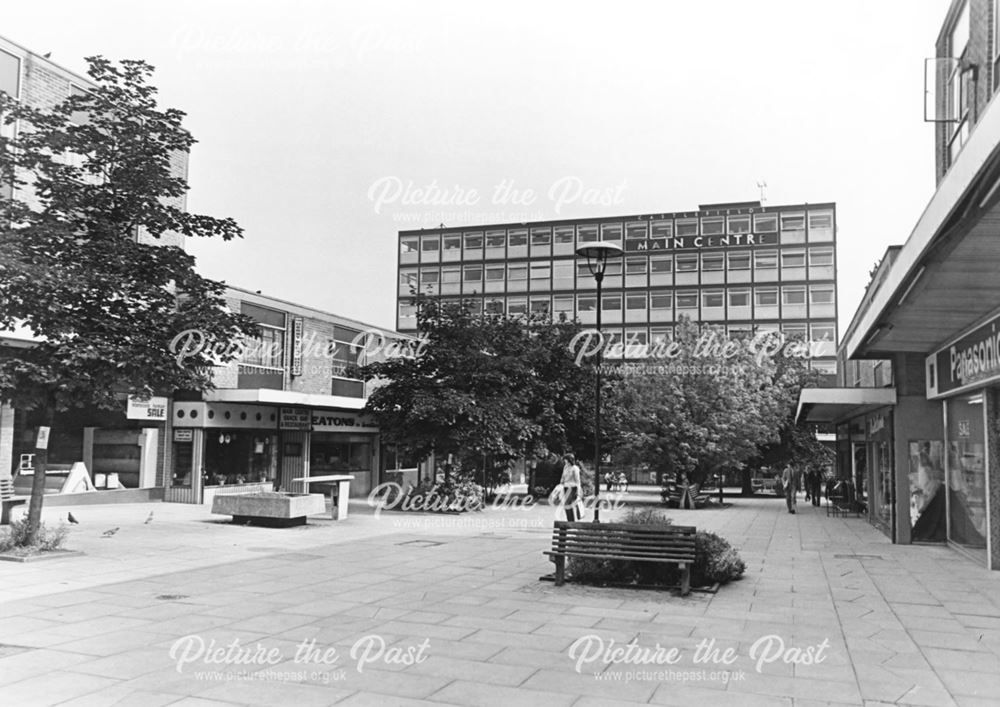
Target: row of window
735	298
542	238
562	272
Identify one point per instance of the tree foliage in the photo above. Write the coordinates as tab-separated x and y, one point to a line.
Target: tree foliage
719	400
80	265
486	390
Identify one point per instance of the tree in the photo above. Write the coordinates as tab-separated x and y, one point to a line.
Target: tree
74	270
716	403
486	390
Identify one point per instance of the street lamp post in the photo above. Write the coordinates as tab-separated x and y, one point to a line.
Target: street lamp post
597	255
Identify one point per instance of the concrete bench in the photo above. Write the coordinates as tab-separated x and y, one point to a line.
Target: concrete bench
8	500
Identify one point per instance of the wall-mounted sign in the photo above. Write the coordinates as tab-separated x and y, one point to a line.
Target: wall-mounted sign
337	421
974	358
293	419
695	242
154	408
297	346
43	438
184	435
876	424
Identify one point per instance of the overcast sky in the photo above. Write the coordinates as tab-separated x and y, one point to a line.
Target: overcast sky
314	117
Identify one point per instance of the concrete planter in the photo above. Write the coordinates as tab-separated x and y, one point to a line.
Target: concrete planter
272	509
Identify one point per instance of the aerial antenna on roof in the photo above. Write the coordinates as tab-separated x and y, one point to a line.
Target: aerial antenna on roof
762	185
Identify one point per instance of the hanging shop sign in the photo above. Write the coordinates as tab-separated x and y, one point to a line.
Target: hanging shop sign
294	419
341	421
183	435
973	359
296	346
153	408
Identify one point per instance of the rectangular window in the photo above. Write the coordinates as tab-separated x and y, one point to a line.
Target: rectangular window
473	273
496	239
563	234
739	224
765	260
739	298
541	271
541	236
517	238
636	266
473	241
266	349
517	272
661	336
495	273
563	305
765	223
635	302
407	279
739	260
430	245
453	243
713	226
517	307
611	232
583	273
687	300
451	276
712	261
796	331
429	277
793	295
661	300
409	245
822	332
820	219
687	263
821	295
493	307
661	229
635	230
713	299
820	256
793	222
687	227
586	303
611	303
661	264
765	297
586	233
793	259
10	71
539	306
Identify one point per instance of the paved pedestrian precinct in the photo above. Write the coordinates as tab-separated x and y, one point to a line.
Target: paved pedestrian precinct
409	609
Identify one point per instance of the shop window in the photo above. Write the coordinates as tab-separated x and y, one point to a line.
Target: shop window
239	457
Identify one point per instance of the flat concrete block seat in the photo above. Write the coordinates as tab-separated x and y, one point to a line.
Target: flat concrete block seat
279	510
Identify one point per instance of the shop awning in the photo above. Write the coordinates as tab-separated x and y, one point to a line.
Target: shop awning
267	396
836	404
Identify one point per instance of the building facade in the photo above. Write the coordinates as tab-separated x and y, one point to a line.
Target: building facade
932	316
742	266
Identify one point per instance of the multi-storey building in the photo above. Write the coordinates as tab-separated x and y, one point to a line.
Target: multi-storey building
926	431
742	266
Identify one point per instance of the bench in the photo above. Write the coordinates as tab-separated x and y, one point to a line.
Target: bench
672	544
8	500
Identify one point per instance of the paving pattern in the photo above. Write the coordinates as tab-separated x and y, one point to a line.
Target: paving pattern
408	609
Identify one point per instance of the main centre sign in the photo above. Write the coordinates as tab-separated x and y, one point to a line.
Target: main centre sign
696	242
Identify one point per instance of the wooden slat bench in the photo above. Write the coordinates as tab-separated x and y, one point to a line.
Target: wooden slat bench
8	500
672	544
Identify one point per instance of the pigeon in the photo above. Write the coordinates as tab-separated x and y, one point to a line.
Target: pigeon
150	519
71	519
109	533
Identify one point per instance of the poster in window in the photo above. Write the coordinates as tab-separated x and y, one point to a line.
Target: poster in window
927	489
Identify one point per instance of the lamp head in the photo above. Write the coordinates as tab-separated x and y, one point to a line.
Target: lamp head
598	254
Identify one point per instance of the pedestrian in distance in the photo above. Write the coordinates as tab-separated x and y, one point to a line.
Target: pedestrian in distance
816	490
571	488
790	479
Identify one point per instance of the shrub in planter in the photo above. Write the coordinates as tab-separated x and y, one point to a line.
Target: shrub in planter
16	537
715	560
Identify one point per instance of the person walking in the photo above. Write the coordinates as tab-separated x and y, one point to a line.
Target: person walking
571	488
790	479
817	482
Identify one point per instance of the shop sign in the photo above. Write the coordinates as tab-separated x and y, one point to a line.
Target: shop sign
297	346
154	408
972	359
183	435
695	242
292	419
43	438
336	421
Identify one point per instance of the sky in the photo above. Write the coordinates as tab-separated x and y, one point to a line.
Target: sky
324	128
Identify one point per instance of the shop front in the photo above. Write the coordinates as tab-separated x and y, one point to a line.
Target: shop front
965	377
230	448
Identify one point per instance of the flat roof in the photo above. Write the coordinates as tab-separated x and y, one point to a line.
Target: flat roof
835	404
